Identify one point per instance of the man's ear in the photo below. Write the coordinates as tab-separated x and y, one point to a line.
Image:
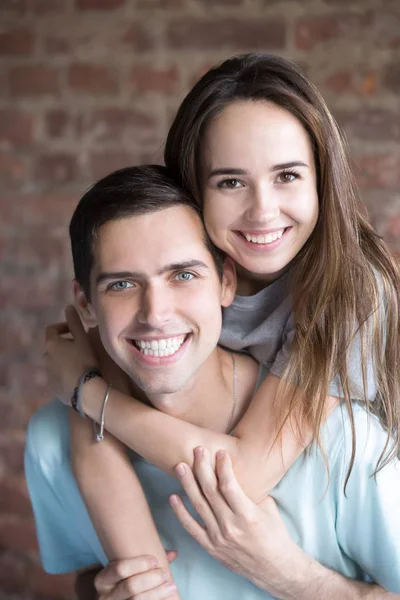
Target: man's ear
83	306
228	282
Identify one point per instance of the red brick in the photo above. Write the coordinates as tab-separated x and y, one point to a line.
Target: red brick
222	3
393	227
341	81
17	533
370	124
112	124
368	85
42	7
102	163
149	79
57	168
17	332
92	79
138	38
163	4
13	573
12	416
36	250
378	171
16	128
17	42
56	123
387	28
40	291
391	77
12	169
35	80
311	31
99	4
14	497
12	454
17	6
53	587
39	211
215	34
57	45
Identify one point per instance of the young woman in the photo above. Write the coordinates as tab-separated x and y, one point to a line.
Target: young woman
318	303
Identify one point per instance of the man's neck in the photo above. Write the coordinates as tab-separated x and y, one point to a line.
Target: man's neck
206	400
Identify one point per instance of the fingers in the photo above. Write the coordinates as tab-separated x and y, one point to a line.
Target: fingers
171	555
190	524
121	569
195	495
74	322
229	487
134	578
208	482
55	330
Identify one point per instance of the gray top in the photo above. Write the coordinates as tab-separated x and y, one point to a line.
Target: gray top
263	326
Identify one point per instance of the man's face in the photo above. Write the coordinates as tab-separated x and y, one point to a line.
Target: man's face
156	297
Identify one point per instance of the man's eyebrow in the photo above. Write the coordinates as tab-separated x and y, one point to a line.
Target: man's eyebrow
178	266
181	266
232	171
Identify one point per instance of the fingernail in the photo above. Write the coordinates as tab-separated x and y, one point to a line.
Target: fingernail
199	451
174	500
171	587
220	454
165	575
180	469
154	561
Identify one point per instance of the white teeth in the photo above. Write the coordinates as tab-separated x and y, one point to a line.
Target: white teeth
160	348
264	239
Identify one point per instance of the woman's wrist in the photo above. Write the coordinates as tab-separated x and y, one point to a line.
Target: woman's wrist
92	396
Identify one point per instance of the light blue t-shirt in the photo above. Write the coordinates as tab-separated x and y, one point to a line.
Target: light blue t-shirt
357	535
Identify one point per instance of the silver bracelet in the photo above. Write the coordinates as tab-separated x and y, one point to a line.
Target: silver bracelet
99	435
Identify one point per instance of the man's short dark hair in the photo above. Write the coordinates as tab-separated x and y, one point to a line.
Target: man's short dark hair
128	192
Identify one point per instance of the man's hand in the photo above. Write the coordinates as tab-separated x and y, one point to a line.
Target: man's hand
135	579
252	539
249	539
68	354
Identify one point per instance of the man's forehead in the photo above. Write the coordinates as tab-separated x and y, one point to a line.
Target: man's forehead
152	241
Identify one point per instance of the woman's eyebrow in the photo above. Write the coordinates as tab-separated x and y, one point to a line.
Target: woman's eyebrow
235	171
227	171
289	165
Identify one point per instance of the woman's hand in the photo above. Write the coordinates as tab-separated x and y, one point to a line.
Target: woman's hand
68	354
249	539
135	578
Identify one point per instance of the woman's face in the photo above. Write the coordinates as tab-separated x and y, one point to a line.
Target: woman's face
259	189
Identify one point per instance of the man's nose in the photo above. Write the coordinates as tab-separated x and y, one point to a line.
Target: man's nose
155	309
262	204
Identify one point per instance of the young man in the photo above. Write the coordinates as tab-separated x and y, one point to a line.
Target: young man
147	273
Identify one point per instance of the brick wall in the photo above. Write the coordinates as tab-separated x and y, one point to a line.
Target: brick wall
91	85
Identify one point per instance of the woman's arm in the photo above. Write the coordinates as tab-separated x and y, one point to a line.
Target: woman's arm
114	497
165	440
172	440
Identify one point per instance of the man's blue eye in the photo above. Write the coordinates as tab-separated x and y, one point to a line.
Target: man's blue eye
121	285
185	276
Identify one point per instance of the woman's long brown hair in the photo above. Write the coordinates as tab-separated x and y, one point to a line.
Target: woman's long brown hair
345	281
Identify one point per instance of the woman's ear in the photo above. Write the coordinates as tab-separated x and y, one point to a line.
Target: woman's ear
228	282
83	306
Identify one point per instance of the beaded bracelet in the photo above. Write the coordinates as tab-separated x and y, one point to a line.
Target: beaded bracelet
76	400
